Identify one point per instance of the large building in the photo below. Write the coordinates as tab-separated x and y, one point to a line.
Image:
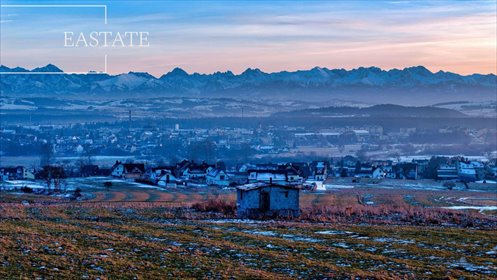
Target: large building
447	172
470	171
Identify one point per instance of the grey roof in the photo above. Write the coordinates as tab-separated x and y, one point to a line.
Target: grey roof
253	186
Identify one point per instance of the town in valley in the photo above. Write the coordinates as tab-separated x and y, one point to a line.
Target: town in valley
238	139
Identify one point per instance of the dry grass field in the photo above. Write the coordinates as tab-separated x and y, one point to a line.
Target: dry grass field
131	232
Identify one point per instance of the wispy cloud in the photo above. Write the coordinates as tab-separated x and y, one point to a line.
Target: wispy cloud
206	36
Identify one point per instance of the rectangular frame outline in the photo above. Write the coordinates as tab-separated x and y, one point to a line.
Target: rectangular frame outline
58	6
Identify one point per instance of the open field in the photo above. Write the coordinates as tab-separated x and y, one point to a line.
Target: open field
138	231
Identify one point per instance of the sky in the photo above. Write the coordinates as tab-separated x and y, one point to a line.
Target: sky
209	36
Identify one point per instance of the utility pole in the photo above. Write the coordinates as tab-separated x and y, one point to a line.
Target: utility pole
129	121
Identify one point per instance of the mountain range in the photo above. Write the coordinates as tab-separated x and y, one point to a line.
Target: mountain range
383	110
411	85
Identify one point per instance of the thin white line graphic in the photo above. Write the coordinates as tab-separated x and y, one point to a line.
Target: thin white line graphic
58	6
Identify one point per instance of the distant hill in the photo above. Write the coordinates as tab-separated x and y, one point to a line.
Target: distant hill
412	85
384	110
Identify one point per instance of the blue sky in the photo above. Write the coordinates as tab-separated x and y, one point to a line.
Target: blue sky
209	36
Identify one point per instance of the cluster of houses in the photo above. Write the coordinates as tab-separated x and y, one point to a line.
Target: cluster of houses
273	191
263	190
316	172
16	173
311	174
191	173
379	170
465	171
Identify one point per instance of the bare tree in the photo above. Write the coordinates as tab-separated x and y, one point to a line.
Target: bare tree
52	174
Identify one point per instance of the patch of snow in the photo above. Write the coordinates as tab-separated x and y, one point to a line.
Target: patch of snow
300	238
341	245
237	221
146	186
10	185
464	264
479	208
486	182
334	232
263	233
493	251
392	240
330	187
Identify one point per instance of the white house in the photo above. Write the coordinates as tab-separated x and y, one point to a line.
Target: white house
389	172
319	171
128	170
217	177
470	171
167	178
154	174
268	176
197	172
379	173
447	172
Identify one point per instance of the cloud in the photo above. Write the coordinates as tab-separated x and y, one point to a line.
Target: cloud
285	34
